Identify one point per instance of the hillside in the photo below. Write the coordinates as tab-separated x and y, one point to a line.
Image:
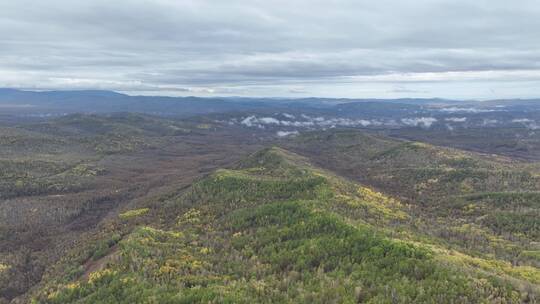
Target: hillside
277	229
486	205
61	180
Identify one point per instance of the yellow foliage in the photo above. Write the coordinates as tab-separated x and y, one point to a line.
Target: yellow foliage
126	280
97	275
470	208
169	268
196	264
375	202
417	144
500	267
192	216
133	213
19	183
152	232
258	285
73	285
204	126
53	294
3	267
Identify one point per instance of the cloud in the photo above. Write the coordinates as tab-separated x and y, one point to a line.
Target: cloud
489	122
269	120
286	133
249	121
318	122
466	110
289	116
304	121
401	89
456	119
298	91
529	123
307	47
425	122
522	120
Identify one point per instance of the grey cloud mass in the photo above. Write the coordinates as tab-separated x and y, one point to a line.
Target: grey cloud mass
420	48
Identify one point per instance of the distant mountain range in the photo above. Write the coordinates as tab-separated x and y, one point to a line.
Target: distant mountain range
92	101
55	103
97	101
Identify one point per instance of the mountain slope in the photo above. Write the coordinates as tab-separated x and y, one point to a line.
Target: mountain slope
485	205
277	229
61	181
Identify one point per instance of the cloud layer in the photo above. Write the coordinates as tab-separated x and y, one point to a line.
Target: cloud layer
343	48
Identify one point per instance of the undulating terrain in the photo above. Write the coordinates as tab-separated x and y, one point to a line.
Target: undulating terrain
296	201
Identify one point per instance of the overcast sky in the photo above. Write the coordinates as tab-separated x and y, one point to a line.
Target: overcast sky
479	49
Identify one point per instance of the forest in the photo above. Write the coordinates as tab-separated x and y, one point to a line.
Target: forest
336	216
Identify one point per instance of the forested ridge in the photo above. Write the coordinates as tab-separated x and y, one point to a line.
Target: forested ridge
276	229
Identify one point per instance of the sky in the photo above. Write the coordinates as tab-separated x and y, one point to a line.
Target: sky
481	49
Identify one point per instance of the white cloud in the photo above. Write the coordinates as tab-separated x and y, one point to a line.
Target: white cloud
530	124
419	121
465	110
307	121
289	116
522	120
366	123
489	122
269	120
286	133
456	119
266	48
249	121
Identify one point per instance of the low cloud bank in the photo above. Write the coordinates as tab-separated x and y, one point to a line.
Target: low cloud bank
288	122
287	133
456	119
530	124
306	121
466	110
489	122
425	122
